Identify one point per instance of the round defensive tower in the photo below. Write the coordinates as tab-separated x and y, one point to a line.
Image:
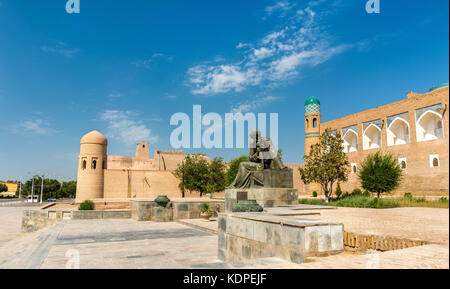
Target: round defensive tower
91	166
312	132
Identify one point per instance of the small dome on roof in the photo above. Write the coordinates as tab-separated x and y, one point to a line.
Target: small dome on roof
439	86
94	137
312	100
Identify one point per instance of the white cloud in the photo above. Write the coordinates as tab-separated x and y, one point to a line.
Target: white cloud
277	57
261	53
37	126
115	94
280	6
241	45
61	48
123	127
217	79
171	96
146	63
254	104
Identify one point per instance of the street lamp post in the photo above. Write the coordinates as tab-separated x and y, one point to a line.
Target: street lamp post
20	188
32	190
42	187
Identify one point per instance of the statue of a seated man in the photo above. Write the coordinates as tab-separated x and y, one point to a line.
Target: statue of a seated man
263	156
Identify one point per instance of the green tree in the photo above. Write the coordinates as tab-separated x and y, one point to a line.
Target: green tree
326	164
193	174
234	168
52	188
68	190
196	174
217	171
3	188
380	173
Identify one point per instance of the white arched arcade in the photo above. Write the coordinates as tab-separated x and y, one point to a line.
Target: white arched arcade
430	126
398	132
350	141
372	137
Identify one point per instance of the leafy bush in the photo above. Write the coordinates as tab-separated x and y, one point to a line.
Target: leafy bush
408	196
86	206
367	194
314	194
356	192
380	173
338	191
206	208
443	200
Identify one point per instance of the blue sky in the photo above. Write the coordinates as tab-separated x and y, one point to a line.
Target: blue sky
125	67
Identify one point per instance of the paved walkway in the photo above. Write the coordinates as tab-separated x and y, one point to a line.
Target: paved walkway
111	244
130	244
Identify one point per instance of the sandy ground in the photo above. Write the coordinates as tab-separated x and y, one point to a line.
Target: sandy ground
10	224
427	224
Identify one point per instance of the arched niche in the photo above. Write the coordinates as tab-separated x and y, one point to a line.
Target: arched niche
350	141
429	126
398	132
372	137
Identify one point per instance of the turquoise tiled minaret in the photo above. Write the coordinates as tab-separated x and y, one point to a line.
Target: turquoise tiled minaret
312	132
312	122
312	104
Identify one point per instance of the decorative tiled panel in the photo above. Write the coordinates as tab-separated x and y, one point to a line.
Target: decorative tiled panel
353	127
404	116
436	108
376	123
312	107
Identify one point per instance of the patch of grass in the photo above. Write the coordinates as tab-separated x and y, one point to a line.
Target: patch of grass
441	203
358	201
364	201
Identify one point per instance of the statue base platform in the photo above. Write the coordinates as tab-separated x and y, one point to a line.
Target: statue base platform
265	197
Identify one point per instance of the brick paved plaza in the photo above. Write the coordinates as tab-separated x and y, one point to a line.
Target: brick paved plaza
130	244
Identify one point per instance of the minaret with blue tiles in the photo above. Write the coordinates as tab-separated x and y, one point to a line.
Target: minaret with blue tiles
312	122
312	134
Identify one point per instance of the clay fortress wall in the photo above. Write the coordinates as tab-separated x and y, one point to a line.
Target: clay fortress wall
102	176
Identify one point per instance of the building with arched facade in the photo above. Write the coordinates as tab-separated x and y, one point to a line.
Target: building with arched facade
415	130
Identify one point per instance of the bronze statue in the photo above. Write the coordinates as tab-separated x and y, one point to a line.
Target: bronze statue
263	156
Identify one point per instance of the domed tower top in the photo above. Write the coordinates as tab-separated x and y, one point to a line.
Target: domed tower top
94	137
92	162
437	87
312	104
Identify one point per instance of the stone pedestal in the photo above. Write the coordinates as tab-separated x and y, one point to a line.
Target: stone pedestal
259	235
265	197
277	178
160	214
188	208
